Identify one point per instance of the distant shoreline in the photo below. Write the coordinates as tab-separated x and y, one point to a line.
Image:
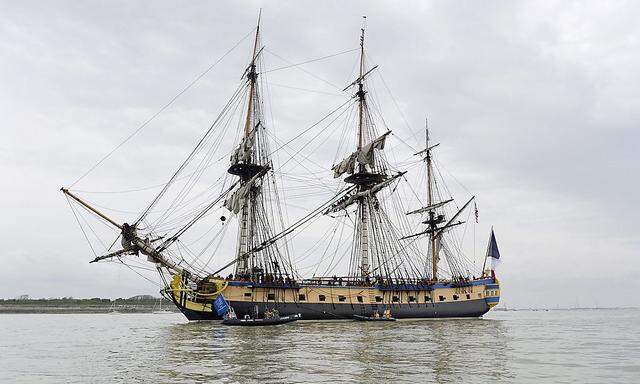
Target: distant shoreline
79	306
149	304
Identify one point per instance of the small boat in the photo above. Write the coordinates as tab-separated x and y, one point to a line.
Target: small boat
275	320
373	318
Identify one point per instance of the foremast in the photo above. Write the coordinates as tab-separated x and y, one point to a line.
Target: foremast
251	162
253	197
247	170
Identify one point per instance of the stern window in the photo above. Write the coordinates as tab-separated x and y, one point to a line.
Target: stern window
271	296
247	295
378	299
321	298
359	299
302	297
395	299
341	298
441	298
412	299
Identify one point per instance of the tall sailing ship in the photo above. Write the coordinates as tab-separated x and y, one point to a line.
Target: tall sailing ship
390	266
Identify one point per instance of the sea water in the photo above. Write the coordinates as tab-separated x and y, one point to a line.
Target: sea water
557	346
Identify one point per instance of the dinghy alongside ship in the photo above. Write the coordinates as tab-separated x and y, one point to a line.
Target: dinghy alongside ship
387	270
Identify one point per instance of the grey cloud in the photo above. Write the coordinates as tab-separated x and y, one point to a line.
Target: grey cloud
535	105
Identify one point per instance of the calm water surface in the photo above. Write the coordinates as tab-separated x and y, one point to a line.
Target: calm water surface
585	346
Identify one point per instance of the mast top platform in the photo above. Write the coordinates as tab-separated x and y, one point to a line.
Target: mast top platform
245	171
365	178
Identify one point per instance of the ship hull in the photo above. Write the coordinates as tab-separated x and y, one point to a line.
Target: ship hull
317	311
441	300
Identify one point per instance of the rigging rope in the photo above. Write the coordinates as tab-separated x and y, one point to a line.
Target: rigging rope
189	158
308	61
162	109
304	70
81	227
309	128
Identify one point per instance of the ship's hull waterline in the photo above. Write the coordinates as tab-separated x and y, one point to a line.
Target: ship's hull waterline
343	302
314	311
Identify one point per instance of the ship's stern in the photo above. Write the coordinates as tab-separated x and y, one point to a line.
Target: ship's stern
492	293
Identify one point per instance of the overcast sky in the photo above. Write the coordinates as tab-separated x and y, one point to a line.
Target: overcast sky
536	104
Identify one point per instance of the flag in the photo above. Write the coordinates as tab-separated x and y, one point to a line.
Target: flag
220	305
492	251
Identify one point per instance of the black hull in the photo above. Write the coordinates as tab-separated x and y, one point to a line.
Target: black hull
320	311
260	322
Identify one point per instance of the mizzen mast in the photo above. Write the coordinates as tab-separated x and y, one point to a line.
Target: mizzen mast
433	209
432	221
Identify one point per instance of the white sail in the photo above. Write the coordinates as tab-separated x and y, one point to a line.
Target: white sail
345	166
237	199
244	150
364	156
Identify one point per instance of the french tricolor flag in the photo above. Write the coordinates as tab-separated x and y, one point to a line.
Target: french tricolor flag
492	252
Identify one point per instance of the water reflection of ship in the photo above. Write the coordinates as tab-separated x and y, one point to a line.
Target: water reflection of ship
206	352
429	350
464	349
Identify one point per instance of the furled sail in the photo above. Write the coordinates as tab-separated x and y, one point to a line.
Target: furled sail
430	207
438	246
350	199
345	166
244	150
237	199
364	156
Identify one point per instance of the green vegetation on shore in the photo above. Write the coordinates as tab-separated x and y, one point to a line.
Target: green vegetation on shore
136	304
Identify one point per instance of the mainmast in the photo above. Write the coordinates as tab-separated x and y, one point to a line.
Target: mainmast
368	174
360	93
362	208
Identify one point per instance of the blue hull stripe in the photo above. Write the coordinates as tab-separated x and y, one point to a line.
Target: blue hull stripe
399	287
